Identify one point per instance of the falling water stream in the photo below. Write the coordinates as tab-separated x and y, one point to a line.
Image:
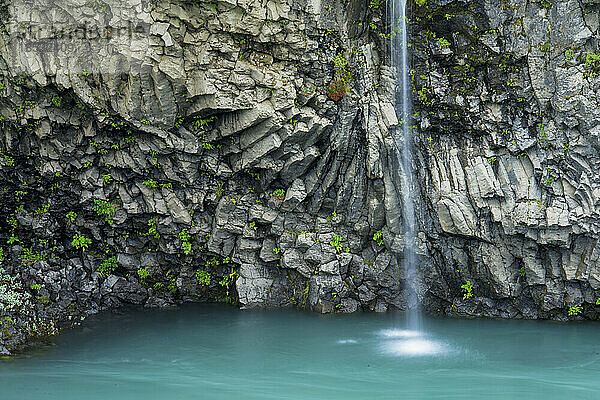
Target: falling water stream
400	61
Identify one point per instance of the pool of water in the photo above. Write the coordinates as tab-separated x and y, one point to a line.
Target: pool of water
216	352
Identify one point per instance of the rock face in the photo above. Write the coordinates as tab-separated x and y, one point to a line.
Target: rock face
243	151
507	101
167	151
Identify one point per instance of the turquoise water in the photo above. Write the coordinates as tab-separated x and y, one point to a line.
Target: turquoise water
214	352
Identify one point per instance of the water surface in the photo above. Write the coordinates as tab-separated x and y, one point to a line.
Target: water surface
216	352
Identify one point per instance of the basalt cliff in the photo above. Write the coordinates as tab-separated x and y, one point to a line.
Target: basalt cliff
157	152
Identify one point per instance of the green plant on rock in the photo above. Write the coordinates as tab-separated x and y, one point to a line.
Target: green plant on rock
80	242
202	122
143	273
107	178
276	250
220	190
12	222
213	262
378	237
108	266
569	54
279	193
339	85
443	43
336	242
150	183
10	162
184	236
226	282
152	228
43	209
1	254
30	256
592	63
172	281
36	286
158	287
98	6
522	271
71	216
12	239
339	61
202	277
179	121
332	216
57	101
467	290
598	301
575	310
104	208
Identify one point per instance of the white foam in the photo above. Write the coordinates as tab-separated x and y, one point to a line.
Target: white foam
399	333
414	347
346	341
410	343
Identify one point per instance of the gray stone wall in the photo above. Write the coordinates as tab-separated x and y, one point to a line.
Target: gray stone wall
169	151
242	151
507	96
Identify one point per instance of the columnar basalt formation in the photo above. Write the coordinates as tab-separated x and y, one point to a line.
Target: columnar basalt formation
168	151
508	119
155	152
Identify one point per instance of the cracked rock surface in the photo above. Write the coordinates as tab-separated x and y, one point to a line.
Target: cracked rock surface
508	111
156	152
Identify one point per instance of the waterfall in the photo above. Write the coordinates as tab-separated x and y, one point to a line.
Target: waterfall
403	136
